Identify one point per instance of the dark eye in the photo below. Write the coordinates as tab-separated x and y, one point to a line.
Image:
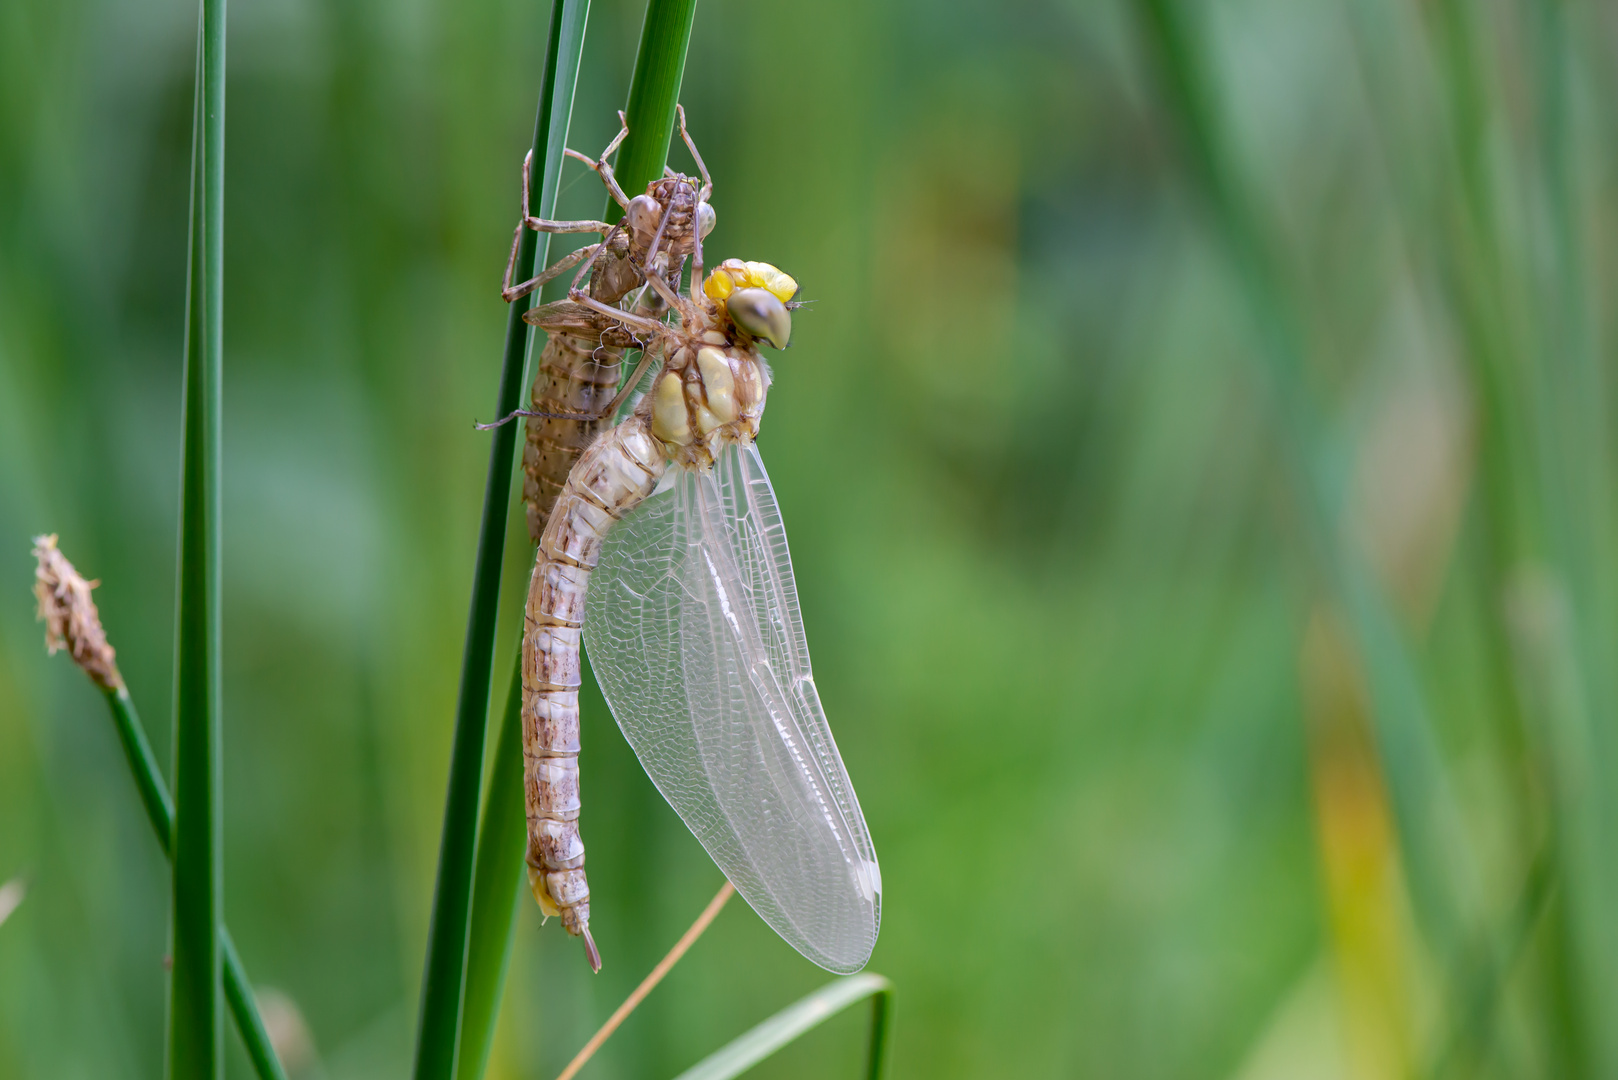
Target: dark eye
761	313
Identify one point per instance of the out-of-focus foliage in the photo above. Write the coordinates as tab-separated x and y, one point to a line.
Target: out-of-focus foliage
1110	729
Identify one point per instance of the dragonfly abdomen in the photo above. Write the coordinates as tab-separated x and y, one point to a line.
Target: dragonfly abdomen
617	471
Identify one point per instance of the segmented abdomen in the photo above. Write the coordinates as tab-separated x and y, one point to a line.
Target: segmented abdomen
576	375
617	471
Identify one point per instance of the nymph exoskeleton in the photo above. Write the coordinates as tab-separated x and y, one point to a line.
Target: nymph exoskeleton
576	387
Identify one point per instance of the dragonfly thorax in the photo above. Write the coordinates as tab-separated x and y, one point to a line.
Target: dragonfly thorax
710	392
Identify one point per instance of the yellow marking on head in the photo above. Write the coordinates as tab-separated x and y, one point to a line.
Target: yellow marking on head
733	274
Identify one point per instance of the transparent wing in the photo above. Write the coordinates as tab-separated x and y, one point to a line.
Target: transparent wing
694	633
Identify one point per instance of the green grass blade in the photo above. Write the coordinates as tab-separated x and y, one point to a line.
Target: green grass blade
497	888
154	796
747	1050
1570	389
444	981
1435	859
196	1028
1526	337
654	91
154	793
244	1009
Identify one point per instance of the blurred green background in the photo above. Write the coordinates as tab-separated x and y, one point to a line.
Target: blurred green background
1197	466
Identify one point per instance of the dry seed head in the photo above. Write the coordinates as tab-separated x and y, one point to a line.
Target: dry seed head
70	616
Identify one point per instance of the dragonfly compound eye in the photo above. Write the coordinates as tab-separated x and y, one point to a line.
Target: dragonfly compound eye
762	314
644	214
706	219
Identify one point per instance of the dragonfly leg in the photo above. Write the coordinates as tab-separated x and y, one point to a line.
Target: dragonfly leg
590	262
510	416
546	225
510	292
600	166
707	181
652	272
630	321
646	359
702	197
670	298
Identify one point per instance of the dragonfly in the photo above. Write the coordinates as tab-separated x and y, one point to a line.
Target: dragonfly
579	369
665	551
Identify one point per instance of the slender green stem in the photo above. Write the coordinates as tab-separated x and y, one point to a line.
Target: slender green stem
1569	392
496	890
154	796
196	1025
752	1047
154	793
876	1048
244	1007
444	981
1480	987
654	91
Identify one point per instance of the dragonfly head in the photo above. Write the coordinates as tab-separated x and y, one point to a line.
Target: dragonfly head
755	297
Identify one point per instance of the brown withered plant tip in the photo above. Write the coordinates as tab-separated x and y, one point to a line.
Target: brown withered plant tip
70	616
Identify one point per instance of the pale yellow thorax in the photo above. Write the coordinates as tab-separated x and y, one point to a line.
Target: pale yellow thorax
711	391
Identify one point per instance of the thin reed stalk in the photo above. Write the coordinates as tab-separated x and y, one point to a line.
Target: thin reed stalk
1527	341
655	91
444	983
498	873
196	1029
154	796
498	887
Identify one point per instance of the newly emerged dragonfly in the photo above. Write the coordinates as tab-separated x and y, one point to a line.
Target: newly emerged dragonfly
666	551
